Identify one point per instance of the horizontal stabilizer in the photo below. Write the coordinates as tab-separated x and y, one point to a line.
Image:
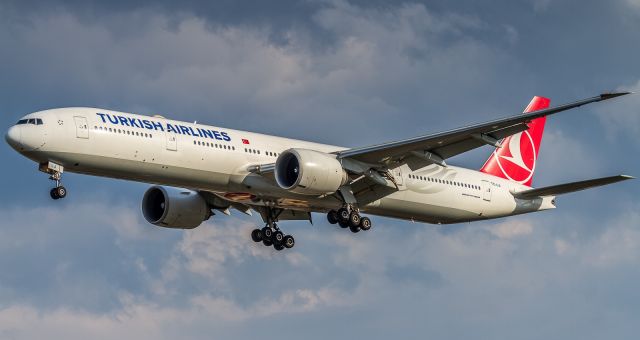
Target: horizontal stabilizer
569	187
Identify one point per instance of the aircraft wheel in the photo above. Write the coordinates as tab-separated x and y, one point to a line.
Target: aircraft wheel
61	192
354	219
54	194
267	233
267	242
354	229
332	216
256	235
343	215
343	224
289	242
278	246
365	223
277	237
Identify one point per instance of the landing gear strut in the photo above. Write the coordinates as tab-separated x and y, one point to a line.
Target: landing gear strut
55	174
349	217
270	234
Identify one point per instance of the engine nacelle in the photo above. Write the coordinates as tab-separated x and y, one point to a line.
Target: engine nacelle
309	172
174	208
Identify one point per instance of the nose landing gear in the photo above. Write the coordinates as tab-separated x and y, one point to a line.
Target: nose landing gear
55	174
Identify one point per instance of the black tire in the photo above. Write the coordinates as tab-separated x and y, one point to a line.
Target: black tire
61	192
267	233
365	223
277	237
289	242
343	215
354	219
256	235
343	224
332	217
54	194
354	229
267	242
278	246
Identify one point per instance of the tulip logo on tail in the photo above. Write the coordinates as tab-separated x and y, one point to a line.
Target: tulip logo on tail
513	156
516	159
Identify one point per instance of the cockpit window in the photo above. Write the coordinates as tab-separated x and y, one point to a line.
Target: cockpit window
33	121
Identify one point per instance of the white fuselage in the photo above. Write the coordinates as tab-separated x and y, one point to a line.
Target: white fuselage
200	157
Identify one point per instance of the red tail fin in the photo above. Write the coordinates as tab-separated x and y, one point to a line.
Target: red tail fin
516	159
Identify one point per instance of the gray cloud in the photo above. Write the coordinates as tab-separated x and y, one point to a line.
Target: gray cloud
473	279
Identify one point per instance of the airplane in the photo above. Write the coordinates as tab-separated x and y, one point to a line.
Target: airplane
197	170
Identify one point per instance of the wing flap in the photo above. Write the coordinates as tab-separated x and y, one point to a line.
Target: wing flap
570	187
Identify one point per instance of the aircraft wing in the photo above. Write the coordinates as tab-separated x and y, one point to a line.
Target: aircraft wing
435	148
569	187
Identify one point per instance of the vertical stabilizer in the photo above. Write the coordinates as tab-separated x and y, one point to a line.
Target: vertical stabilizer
516	159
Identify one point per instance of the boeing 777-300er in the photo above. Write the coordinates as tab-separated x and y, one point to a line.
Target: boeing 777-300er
284	179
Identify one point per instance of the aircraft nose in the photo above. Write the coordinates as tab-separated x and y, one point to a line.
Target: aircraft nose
13	137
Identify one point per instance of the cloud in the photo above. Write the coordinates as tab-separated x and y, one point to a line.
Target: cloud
511	229
633	3
203	280
236	75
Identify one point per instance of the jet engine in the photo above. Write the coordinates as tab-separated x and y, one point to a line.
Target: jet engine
174	208
309	172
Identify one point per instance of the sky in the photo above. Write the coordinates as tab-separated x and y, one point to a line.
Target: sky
349	73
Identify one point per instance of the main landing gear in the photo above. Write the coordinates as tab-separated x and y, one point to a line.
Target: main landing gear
271	235
349	217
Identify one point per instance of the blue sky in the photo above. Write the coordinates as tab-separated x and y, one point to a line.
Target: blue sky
90	266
